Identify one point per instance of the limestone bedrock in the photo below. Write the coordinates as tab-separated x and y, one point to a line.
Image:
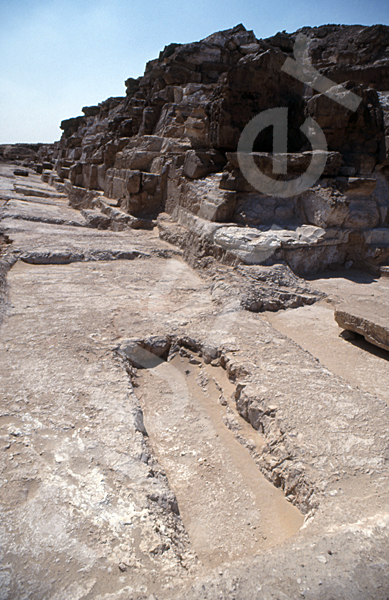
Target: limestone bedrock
95	505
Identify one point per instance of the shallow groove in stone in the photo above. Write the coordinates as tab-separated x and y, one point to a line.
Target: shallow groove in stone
208	451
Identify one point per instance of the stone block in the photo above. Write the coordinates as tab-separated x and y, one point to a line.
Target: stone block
90	176
377	237
133	181
199	164
325	209
119	188
138	160
150	182
369	319
362	214
95	219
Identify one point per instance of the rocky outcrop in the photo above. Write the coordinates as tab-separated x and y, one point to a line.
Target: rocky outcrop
170	145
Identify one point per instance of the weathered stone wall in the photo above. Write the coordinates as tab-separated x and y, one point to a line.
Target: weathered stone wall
171	141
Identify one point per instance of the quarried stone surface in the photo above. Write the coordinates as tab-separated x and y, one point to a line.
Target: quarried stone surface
369	319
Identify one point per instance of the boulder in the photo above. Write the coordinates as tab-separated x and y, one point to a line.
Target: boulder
249	245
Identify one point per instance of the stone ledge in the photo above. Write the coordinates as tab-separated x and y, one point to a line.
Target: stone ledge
368	319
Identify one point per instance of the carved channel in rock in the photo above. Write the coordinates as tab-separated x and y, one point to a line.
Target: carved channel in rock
208	451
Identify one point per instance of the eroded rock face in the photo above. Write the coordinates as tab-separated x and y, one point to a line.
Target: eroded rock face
171	142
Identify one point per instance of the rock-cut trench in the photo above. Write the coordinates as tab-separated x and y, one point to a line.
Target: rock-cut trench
229	509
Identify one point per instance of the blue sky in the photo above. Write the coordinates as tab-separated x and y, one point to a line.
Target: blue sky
60	55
